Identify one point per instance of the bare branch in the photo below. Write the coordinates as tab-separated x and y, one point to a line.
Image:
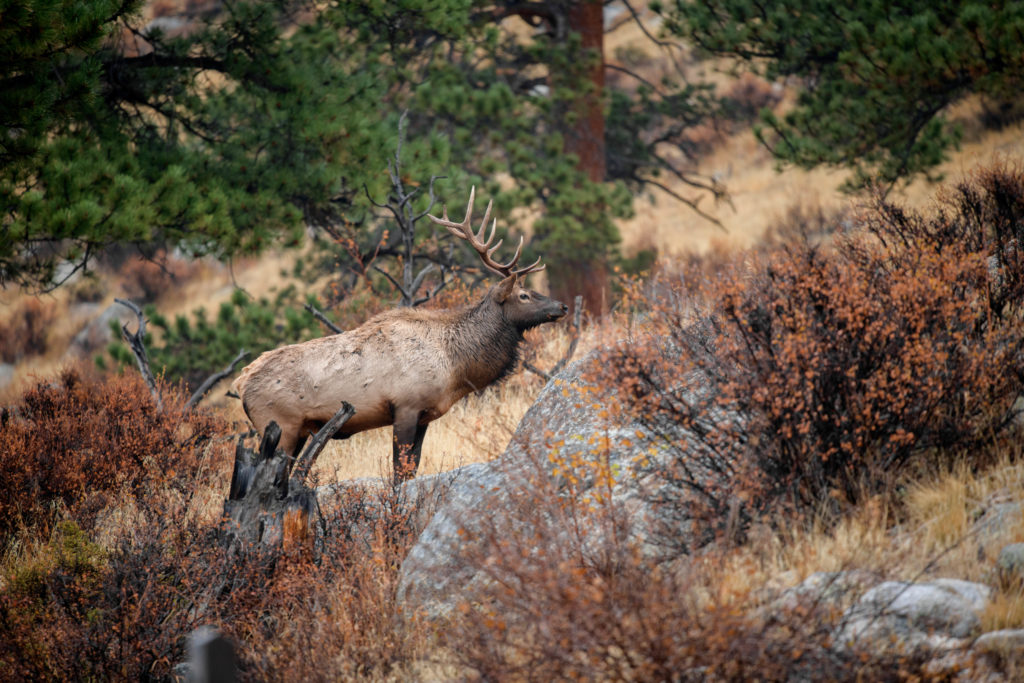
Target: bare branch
432	293
319	315
304	463
212	380
418	282
372	200
573	343
393	281
433	199
537	371
138	347
692	203
669	47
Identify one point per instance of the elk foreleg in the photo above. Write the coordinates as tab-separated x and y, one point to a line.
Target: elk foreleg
408	445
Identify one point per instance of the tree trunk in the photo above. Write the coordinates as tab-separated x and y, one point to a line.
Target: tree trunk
585	140
269	507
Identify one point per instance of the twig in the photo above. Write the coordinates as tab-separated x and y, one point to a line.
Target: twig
319	315
574	342
305	461
205	387
138	347
567	356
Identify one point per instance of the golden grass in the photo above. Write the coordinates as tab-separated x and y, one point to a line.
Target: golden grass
931	534
1004	611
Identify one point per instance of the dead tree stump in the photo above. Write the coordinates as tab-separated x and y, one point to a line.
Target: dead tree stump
268	506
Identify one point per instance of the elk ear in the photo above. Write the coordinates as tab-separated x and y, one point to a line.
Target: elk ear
503	289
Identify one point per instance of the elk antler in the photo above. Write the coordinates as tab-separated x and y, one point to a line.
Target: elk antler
483	247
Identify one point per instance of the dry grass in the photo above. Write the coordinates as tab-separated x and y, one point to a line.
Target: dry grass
931	535
1005	611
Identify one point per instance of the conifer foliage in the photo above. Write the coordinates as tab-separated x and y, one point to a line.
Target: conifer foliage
877	77
229	128
190	350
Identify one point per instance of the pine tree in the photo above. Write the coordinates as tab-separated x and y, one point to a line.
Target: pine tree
233	129
877	77
225	136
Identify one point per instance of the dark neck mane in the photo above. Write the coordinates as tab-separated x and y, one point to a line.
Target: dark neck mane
483	346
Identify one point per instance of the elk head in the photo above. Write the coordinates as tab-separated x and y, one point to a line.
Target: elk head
522	307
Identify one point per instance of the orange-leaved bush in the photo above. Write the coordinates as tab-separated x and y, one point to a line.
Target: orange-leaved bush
74	610
24	333
813	374
78	439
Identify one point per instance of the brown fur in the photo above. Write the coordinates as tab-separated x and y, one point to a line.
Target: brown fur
405	367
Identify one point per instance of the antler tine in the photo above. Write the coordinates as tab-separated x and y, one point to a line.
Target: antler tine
534	267
506	268
479	234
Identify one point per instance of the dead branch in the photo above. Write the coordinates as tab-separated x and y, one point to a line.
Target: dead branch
138	347
399	203
567	356
319	315
305	461
212	380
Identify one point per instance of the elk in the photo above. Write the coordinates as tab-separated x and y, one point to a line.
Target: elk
405	367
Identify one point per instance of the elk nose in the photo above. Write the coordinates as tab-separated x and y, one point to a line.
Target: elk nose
565	309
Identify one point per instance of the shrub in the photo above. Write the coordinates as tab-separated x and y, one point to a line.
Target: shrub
77	441
109	614
335	618
559	589
146	279
819	374
26	330
124	613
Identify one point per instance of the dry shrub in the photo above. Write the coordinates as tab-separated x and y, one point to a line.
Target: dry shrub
639	626
335	618
24	334
568	596
78	611
78	440
107	530
813	375
146	279
75	610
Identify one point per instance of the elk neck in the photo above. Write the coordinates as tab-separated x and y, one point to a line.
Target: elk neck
482	344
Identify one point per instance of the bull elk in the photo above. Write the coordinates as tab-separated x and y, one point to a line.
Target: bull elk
405	367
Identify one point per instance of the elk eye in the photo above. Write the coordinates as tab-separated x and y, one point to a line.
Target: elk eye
524	296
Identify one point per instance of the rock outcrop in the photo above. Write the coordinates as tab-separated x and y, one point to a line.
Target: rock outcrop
577	483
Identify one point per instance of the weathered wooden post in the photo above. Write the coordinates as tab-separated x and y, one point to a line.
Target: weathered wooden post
211	657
